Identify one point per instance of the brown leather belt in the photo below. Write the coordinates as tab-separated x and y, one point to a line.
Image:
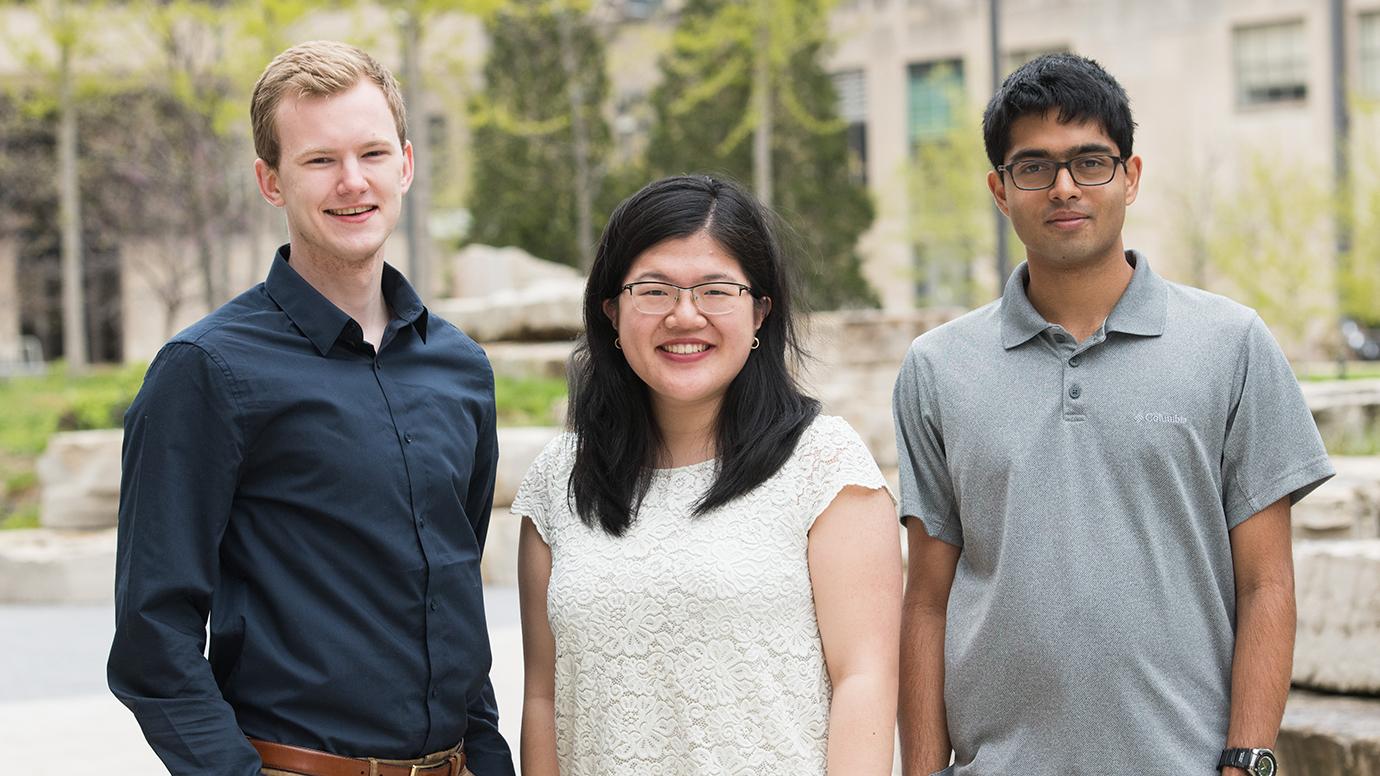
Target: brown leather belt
310	762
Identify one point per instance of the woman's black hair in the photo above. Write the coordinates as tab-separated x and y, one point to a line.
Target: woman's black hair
1074	86
764	412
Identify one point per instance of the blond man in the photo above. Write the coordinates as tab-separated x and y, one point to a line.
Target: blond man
311	466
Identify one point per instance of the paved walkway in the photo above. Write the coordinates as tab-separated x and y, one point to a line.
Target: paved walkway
57	717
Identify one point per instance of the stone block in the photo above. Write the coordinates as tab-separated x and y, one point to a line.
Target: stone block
545	311
79	477
529	359
1346	506
518	447
1338	640
1325	735
482	270
42	566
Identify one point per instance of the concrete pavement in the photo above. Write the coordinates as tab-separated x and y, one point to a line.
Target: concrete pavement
57	716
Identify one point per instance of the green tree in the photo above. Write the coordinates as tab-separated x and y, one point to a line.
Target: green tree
1359	269
543	143
1272	250
752	70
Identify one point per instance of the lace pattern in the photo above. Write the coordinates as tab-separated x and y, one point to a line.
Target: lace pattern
689	645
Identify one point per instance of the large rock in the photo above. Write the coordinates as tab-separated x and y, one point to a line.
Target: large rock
499	564
518	446
546	311
1338	643
79	475
1325	735
1347	411
529	359
1346	506
42	566
508	294
482	270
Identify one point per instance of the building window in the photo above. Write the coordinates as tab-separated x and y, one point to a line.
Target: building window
851	87
1017	57
1271	63
935	93
1368	46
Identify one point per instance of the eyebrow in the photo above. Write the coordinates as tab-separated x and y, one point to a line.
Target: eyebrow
1079	150
711	277
323	151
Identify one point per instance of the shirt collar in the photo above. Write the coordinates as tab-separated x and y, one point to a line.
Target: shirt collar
1141	309
319	319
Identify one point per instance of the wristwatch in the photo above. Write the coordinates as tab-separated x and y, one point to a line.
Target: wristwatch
1256	762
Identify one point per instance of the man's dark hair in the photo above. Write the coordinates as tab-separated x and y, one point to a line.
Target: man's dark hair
1077	87
763	412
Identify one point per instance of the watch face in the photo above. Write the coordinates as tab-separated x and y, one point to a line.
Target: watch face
1265	766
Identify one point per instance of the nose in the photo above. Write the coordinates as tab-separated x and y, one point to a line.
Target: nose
351	177
1065	187
685	314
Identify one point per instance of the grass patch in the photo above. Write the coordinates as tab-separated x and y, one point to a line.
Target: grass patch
1319	371
24	517
528	401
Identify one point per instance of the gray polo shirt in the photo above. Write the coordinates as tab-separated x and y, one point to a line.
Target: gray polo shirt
1091	487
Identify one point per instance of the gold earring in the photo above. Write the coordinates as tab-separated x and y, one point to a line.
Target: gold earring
617	343
755	343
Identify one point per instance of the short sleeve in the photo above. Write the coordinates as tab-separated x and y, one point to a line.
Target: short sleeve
835	458
534	494
927	493
1272	447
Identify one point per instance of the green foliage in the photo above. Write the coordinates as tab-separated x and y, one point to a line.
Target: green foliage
951	215
523	191
703	122
1271	247
22	518
528	401
33	408
1359	278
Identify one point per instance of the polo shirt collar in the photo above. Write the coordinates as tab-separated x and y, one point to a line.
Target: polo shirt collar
1140	310
319	319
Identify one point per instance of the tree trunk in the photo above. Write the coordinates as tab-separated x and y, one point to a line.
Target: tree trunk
579	128
74	340
761	95
418	205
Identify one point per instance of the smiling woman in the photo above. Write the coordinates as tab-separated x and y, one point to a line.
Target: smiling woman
703	538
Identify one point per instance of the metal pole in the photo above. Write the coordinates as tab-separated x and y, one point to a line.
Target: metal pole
1341	133
994	19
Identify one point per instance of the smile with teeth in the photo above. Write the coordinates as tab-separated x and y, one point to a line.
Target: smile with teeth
685	348
351	211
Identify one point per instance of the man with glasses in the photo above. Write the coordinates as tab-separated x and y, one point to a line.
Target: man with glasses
1096	476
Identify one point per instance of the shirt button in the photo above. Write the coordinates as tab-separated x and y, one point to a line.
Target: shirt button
421	522
433	604
1061	339
407	438
1075	391
1075	361
435	692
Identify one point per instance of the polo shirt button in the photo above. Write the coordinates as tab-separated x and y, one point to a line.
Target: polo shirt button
1075	391
1061	339
1075	361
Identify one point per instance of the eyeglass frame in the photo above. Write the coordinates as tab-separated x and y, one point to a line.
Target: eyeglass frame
694	297
1067	164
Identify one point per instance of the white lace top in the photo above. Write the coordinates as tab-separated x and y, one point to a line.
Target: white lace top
689	645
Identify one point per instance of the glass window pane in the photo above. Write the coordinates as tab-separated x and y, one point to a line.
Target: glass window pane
1271	63
935	91
1368	45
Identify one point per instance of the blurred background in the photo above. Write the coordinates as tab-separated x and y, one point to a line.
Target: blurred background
128	210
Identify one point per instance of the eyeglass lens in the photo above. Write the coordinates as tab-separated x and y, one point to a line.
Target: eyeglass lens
660	298
1092	170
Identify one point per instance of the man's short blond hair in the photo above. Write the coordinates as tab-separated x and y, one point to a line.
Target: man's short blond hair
318	68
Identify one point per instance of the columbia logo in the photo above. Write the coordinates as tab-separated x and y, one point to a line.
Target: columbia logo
1159	417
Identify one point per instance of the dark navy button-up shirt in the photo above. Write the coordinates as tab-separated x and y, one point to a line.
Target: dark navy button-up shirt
326	506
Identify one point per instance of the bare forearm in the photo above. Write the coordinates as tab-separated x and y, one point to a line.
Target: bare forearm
924	729
862	724
1261	665
538	744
